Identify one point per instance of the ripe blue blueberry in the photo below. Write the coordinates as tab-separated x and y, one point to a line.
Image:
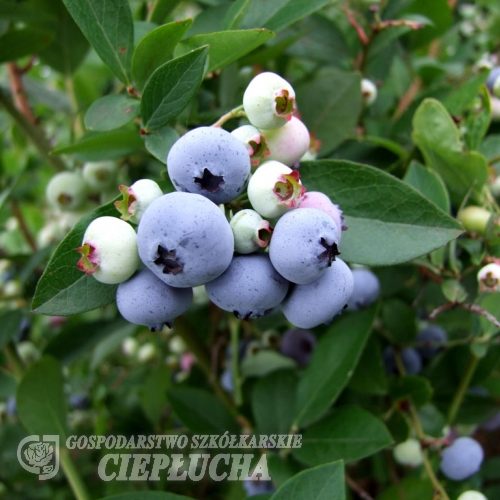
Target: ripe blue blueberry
11	407
255	487
462	459
146	300
316	199
298	345
304	245
211	162
430	335
226	380
412	362
79	401
311	305
366	289
249	288
493	82
185	240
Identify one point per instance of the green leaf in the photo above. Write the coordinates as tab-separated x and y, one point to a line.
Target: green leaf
399	321
69	47
97	146
23	42
225	46
264	362
201	411
454	291
428	183
325	482
74	341
478	120
331	115
278	15
350	434
418	389
154	393
141	29
370	376
161	8
8	385
389	222
11	324
439	140
465	95
63	289
327	373
171	87
110	112
236	14
414	488
159	142
40	399
109	28
491	303
156	48
147	495
272	398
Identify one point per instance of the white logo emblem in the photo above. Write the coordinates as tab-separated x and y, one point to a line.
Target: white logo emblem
39	455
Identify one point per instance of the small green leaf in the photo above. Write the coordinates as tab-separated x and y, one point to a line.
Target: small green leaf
272	398
225	46
159	142
350	434
327	374
109	27
236	14
370	376
478	120
141	29
146	495
201	411
23	42
453	291
40	399
399	321
325	482
439	140
418	389
63	289
11	324
491	303
8	385
111	112
465	95
389	222
332	116
265	362
154	393
97	146
156	48
171	87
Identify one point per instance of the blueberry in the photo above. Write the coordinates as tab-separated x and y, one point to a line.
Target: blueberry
79	401
412	362
66	190
366	289
146	300
493	82
471	495
211	162
316	199
298	345
304	245
462	459
11	407
429	335
311	305
185	240
226	380
256	487
249	288
408	453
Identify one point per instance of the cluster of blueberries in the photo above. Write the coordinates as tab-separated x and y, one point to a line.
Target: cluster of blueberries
184	239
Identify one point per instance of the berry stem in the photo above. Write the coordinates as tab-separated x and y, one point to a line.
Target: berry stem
234	327
462	389
234	113
70	471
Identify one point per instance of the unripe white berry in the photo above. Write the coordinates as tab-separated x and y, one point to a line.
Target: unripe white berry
488	278
369	91
66	190
269	101
250	230
289	143
146	352
408	453
471	495
474	219
130	346
109	250
137	198
255	142
274	189
100	175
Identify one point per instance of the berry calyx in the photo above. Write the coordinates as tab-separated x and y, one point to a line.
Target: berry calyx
169	261
488	278
124	206
89	261
136	199
289	190
285	104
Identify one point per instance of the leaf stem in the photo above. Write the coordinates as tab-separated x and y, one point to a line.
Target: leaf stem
35	135
234	327
15	362
462	389
234	113
77	485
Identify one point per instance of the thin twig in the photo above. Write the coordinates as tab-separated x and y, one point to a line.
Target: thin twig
357	488
467	307
18	92
234	113
363	37
23	226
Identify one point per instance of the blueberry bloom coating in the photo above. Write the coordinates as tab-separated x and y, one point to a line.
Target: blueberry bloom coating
185	240
366	289
298	345
412	362
211	162
249	287
303	245
462	459
432	333
493	80
146	300
311	305
316	199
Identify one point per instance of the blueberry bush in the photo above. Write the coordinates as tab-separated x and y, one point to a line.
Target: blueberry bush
252	218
